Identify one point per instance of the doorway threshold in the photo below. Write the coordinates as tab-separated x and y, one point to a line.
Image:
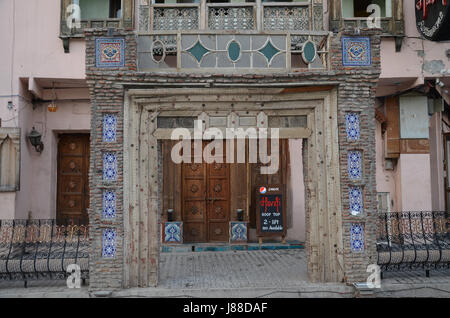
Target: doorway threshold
225	247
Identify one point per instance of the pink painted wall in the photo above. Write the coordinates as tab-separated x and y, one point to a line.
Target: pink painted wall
416	182
32	48
414	53
297	197
385	178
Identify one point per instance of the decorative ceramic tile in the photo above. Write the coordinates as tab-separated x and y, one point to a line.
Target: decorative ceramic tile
173	232
357	237
110	52
109	243
356	200
352	126
109	204
109	127
109	166
238	231
356	51
355	165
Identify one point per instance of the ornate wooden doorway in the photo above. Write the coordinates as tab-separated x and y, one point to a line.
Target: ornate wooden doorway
73	182
206	202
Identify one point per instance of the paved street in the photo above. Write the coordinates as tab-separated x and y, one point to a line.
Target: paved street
235	269
263	273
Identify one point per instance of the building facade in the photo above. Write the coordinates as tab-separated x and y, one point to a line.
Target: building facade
360	104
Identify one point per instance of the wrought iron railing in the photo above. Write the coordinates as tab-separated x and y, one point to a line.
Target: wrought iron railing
229	16
233	51
260	16
413	240
42	249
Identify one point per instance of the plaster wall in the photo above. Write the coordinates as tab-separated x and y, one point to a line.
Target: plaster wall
415	177
418	58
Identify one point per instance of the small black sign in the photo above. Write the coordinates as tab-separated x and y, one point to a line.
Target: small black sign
270	211
433	19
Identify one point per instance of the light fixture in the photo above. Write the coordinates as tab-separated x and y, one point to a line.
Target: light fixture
52	107
240	214
35	140
170	215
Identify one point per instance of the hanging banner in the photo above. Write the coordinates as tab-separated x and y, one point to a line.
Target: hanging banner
433	19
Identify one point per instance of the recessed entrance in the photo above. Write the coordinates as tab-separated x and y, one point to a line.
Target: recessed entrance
153	114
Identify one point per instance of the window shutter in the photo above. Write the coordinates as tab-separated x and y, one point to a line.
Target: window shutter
9	159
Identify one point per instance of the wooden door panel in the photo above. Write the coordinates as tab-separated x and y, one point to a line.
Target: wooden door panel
194	189
72	144
194	232
218	211
72	165
218	189
72	203
206	202
217	170
194	170
218	231
73	183
194	211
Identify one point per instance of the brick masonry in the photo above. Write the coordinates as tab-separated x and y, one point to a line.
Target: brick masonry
356	93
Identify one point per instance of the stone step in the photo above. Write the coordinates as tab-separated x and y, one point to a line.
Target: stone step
210	247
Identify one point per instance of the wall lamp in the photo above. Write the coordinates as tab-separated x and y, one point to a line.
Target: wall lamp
35	140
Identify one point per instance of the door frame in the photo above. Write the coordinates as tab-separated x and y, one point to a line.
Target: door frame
447	170
324	228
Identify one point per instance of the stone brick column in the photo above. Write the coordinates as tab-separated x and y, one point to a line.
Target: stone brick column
106	181
356	97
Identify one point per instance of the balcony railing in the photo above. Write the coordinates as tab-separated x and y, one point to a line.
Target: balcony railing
410	240
267	16
206	51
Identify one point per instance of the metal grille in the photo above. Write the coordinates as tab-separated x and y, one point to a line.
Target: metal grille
175	18
286	18
42	249
413	240
236	18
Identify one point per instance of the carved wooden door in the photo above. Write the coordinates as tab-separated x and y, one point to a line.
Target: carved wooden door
206	202
73	182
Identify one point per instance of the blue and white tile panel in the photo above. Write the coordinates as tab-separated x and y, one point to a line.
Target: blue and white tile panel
109	240
356	200
109	127
356	51
355	167
238	232
109	204
109	52
109	166
173	232
357	237
352	126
